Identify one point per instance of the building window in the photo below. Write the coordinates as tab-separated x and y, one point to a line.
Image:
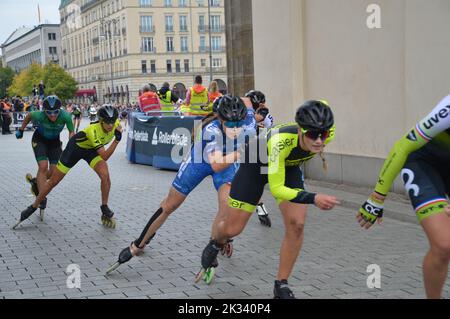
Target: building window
144	66
169	66
52	36
184	44
153	66
52	50
146	24
147	44
203	62
167	3
201	24
169	42
202	43
215	23
186	65
169	23
217	63
182	3
177	66
216	43
214	3
183	23
145	3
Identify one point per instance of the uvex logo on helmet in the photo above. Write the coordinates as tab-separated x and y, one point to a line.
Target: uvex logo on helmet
437	117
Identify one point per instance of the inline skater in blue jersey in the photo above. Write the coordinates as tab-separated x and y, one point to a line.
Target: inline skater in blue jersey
215	154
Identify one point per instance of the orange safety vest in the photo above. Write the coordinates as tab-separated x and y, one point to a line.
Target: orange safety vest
149	101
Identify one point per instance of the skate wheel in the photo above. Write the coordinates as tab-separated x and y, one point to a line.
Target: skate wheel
41	214
16	225
199	275
28	177
112	268
209	275
109	223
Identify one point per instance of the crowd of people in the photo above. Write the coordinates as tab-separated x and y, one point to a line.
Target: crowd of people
231	126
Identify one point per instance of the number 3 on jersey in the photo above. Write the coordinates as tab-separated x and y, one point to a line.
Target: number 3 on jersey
408	178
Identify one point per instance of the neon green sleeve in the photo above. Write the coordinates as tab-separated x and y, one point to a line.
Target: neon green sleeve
278	150
397	159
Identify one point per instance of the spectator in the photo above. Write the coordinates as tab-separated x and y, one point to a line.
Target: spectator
167	97
41	90
5	110
149	101
197	99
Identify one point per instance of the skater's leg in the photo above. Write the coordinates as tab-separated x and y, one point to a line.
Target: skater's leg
294	216
48	186
222	196
171	203
51	170
435	264
42	174
101	168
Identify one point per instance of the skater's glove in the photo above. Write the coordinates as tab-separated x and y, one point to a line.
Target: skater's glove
118	135
19	134
371	210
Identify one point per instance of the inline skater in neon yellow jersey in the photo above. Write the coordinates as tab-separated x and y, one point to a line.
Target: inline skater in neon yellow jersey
288	146
89	145
422	157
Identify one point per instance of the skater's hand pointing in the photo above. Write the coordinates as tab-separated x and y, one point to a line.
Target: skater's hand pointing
325	202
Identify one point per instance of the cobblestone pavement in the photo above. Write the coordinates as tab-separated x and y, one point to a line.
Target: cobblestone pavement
333	261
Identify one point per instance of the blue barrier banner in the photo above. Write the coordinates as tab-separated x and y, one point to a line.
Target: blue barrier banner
161	141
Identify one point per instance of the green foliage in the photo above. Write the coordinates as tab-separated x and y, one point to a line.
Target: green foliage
6	79
56	80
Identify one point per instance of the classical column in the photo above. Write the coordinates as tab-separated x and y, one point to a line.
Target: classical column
239	32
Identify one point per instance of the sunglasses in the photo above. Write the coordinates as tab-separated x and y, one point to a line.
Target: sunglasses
237	124
314	135
50	113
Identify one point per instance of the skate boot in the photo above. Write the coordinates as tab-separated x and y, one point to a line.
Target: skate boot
263	215
34	186
24	215
107	217
209	262
42	207
281	290
227	249
126	254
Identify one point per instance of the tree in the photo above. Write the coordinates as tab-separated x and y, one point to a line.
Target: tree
6	79
23	82
59	82
56	80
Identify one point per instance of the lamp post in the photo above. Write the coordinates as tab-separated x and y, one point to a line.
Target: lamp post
108	36
210	42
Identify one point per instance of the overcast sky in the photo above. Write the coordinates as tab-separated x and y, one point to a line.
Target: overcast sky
15	13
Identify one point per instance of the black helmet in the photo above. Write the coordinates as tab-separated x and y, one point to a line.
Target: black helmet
52	103
231	109
256	97
216	104
315	116
108	114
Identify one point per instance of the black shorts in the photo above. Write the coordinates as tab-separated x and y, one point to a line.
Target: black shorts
46	150
72	154
428	185
248	184
77	117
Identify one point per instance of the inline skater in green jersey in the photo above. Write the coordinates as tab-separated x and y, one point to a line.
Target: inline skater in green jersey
89	145
422	157
46	142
